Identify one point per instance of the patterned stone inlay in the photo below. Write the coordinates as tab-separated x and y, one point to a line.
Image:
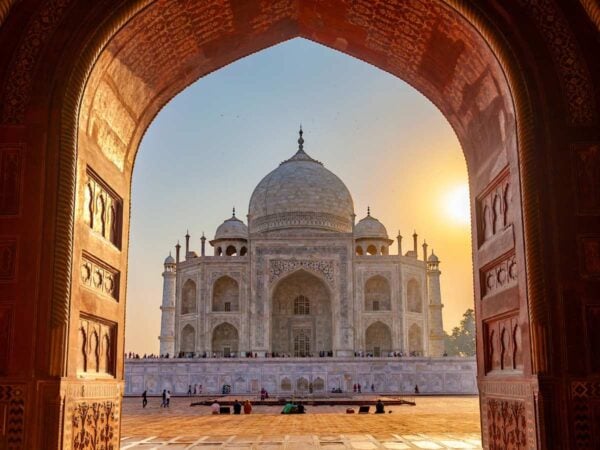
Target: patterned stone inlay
499	275
494	206
97	349
99	276
12	409
95	426
507	424
102	209
280	267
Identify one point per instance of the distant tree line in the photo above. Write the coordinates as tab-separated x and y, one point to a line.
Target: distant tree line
461	342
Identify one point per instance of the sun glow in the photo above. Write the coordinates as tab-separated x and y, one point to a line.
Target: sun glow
456	204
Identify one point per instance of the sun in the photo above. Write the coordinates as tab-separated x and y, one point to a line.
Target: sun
456	204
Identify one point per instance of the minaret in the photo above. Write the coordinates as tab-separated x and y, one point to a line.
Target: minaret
436	326
187	244
424	250
416	255
399	238
167	323
203	247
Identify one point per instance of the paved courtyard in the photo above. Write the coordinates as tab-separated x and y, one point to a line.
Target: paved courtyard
434	423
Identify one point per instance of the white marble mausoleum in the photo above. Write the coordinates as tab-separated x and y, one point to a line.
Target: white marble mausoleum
302	279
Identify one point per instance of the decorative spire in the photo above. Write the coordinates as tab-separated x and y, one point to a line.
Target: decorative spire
234	211
301	139
368	211
187	233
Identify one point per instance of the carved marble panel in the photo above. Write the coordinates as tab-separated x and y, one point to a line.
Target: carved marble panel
507	424
8	258
281	267
502	344
99	276
584	394
494	206
587	177
12	411
499	275
96	346
95	425
589	256
102	209
11	174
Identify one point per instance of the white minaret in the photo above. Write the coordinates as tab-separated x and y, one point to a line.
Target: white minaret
167	323
436	326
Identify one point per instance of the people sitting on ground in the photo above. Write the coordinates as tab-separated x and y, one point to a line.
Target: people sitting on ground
288	408
247	407
237	407
379	408
300	409
215	407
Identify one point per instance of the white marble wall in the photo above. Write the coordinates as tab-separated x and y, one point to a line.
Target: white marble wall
246	376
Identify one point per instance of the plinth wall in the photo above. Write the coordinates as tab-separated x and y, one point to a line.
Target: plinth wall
295	375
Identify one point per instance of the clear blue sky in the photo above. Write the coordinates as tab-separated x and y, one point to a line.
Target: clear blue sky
211	145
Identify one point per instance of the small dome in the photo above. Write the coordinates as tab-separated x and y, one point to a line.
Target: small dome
232	228
169	259
370	227
433	258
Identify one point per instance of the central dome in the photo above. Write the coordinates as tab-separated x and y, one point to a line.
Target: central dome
301	193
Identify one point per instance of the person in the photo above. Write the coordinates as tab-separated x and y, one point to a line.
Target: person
247	407
300	409
379	409
288	408
215	407
262	394
359	388
237	407
164	399
354	387
167	399
372	387
416	388
144	399
189	390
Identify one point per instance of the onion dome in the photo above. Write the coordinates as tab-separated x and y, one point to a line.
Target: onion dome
433	258
301	193
169	259
370	228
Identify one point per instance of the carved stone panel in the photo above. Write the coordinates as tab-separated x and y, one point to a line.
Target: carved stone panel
12	410
11	168
102	209
6	319
585	395
96	346
503	345
589	256
507	424
280	267
8	258
95	426
494	208
99	276
499	275
587	177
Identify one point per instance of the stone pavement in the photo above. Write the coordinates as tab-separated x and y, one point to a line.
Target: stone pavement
434	423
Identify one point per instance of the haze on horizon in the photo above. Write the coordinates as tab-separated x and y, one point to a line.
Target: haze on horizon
211	145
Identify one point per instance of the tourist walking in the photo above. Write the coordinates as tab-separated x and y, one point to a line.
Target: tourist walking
189	390
167	399
164	399
144	399
247	407
237	407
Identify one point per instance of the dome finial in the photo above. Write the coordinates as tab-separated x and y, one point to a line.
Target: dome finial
234	211
300	139
369	211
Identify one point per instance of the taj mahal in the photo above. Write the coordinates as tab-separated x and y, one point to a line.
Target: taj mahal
302	294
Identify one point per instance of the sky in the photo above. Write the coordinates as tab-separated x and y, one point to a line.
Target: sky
211	145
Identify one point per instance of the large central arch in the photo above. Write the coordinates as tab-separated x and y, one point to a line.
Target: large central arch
81	84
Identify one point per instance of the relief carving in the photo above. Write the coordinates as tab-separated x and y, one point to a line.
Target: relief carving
99	276
494	208
499	275
503	347
102	209
12	409
95	426
507	424
97	341
11	168
587	177
280	267
8	258
584	393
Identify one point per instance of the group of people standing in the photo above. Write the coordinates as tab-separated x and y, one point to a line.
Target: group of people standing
237	407
166	399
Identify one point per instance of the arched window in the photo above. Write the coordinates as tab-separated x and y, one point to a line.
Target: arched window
415	340
372	250
188	297
231	251
302	384
188	339
225	340
413	296
301	306
318	385
286	384
226	295
301	343
377	294
359	250
243	251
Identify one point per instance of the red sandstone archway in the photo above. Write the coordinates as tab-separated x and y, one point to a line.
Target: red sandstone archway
81	84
